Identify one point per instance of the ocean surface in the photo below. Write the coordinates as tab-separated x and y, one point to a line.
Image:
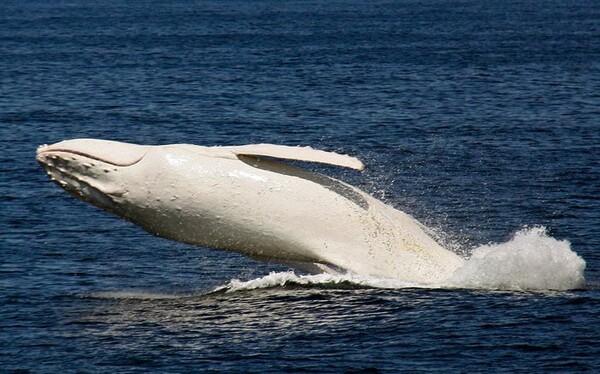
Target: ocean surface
481	119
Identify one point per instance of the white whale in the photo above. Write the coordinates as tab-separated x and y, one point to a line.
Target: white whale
243	199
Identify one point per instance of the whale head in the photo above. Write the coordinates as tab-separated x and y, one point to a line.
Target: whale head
90	169
130	180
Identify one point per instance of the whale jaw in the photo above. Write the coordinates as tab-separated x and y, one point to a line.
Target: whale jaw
88	169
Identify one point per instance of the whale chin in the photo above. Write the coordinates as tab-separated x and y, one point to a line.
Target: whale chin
84	177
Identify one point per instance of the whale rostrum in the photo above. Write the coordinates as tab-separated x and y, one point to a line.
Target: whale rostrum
245	199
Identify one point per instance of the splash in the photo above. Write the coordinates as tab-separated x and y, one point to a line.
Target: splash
337	281
532	260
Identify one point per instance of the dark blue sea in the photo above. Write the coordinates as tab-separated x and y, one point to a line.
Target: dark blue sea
479	118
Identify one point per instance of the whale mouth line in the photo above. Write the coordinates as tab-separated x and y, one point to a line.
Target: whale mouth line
81	188
90	156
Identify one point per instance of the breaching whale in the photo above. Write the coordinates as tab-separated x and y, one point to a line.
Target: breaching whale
245	199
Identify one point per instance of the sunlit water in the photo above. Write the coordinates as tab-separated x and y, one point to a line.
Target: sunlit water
481	120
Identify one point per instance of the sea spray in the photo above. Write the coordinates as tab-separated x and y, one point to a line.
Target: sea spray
532	260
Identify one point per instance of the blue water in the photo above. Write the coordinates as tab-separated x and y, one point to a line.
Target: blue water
480	119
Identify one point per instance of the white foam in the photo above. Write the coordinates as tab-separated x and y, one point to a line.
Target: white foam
280	279
531	260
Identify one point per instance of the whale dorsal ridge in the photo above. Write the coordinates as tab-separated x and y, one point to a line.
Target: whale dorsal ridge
297	153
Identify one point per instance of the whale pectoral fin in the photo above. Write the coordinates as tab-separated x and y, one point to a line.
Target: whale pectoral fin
276	166
297	153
